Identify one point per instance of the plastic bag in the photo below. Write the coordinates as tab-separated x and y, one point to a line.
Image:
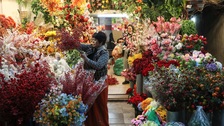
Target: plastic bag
174	124
152	116
199	118
118	66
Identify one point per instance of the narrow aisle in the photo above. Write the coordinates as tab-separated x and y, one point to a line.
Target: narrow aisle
120	113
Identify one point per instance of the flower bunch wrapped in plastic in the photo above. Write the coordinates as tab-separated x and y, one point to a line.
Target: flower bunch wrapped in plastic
63	109
81	82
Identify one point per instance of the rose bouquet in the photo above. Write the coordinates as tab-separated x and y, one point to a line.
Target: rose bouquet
63	109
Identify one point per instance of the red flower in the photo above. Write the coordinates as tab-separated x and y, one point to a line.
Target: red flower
19	96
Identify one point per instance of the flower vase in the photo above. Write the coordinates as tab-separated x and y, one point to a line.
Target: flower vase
132	83
176	116
218	118
139	83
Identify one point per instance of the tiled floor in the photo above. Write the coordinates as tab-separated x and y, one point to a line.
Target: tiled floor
120	113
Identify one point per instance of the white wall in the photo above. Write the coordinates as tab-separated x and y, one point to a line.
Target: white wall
10	8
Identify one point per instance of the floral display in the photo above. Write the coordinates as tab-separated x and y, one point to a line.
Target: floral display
69	15
25	74
63	109
153	113
134	97
167	85
205	88
69	41
129	74
6	23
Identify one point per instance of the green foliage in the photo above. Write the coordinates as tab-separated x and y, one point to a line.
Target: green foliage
37	8
188	27
72	57
152	8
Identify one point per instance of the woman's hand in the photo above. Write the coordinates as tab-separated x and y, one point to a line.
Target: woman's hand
83	55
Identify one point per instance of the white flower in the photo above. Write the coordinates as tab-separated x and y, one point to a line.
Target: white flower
179	46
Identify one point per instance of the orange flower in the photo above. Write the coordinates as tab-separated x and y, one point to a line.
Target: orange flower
78	3
139	1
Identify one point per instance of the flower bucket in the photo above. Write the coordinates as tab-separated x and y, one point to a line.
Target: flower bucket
132	83
176	116
218	118
139	83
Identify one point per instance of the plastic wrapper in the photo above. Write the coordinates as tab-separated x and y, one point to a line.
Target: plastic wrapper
81	82
118	66
199	118
174	124
152	116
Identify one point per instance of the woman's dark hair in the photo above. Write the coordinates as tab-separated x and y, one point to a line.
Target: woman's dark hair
119	39
100	36
133	28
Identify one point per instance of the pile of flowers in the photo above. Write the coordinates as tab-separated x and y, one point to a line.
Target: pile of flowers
25	77
6	23
153	114
69	15
63	109
69	40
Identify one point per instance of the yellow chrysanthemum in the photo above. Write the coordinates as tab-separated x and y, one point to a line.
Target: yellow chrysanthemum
146	103
162	112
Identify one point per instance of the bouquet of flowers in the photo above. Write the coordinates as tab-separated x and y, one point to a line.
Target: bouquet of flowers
167	84
205	87
63	109
81	82
134	97
129	74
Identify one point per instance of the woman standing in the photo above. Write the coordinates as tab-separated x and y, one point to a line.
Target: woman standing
96	58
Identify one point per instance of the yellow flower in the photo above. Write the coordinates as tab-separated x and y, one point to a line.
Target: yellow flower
162	112
146	103
50	33
130	60
138	56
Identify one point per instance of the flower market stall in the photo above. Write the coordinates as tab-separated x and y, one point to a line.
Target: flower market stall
175	79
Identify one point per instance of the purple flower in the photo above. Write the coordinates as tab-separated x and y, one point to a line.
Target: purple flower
211	67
